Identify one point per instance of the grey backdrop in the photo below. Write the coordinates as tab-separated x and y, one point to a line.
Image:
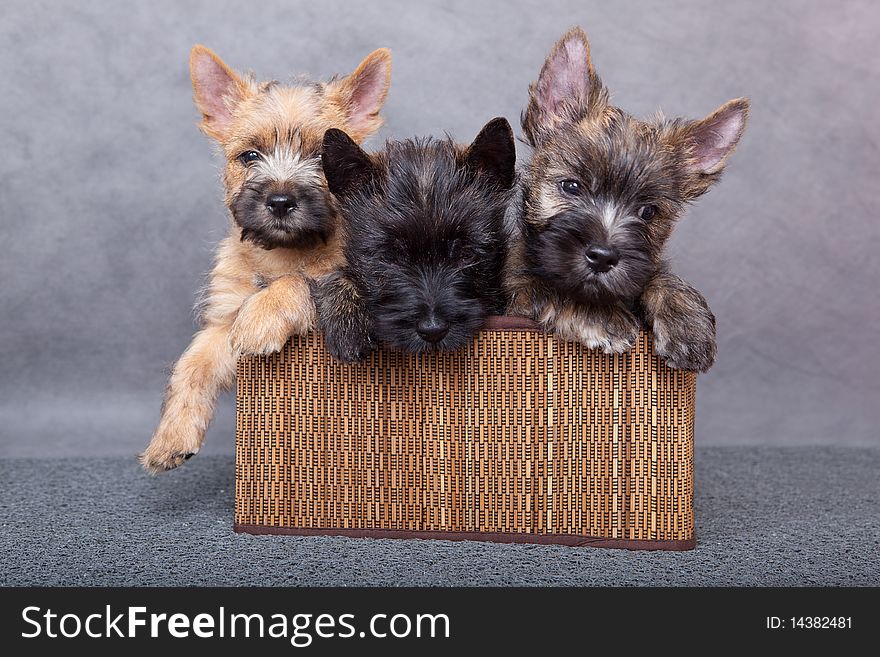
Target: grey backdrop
111	201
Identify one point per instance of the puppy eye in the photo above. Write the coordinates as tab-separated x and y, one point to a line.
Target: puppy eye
647	212
571	187
249	157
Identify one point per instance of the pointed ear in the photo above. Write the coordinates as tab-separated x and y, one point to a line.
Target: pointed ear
217	90
567	88
346	166
362	94
711	140
493	153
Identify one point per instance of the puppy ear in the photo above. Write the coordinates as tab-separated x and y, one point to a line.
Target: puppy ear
714	138
362	94
707	143
493	153
567	88
218	89
346	166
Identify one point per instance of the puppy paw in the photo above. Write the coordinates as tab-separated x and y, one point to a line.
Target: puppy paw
609	343
342	317
614	330
165	453
348	346
686	342
258	328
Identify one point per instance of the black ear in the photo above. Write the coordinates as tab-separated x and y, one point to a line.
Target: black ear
493	153
346	166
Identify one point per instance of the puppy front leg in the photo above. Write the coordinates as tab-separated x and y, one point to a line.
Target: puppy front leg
611	328
522	301
683	324
525	295
206	367
343	318
269	317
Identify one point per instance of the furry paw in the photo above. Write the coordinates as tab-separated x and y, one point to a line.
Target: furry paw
682	322
343	319
258	328
348	346
614	330
163	454
608	343
686	342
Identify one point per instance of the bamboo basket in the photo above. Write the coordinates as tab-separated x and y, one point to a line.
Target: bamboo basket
518	438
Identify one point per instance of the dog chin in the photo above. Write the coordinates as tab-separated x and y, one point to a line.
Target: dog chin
287	238
416	345
405	338
594	290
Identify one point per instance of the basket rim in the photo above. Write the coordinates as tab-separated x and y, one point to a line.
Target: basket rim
511	323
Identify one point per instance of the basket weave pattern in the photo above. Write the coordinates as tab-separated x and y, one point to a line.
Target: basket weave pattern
517	437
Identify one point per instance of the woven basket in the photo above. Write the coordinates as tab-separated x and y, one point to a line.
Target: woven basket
518	438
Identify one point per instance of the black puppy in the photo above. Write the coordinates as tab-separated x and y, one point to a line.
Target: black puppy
424	223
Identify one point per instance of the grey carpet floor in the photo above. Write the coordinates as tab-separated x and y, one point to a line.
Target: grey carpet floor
782	517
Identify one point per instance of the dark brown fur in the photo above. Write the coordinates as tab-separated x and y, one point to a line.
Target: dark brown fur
602	181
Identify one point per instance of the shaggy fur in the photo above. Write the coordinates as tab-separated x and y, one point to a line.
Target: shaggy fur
284	228
425	247
599	200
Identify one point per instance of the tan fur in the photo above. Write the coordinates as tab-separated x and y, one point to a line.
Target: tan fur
255	298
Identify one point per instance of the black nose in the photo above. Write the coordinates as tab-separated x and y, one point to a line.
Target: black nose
280	204
432	329
602	258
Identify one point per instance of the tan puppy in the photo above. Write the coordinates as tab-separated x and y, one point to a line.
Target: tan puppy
284	227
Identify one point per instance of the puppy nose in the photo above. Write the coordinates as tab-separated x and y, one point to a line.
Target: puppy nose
602	258
432	329
280	204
